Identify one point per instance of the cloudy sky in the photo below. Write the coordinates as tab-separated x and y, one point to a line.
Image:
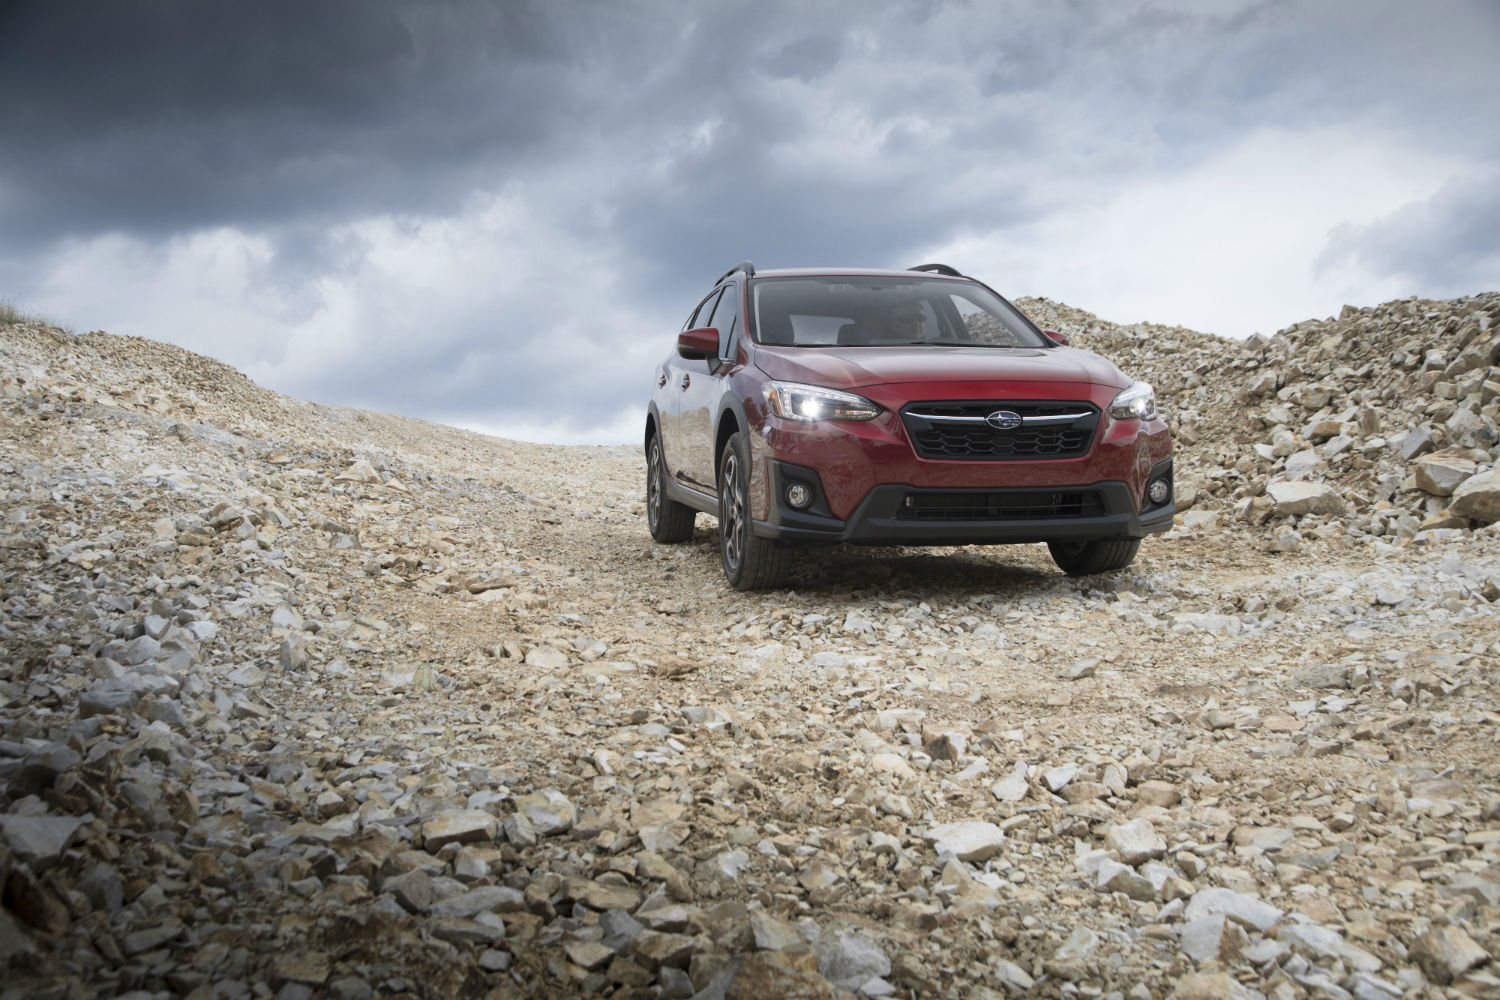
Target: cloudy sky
497	215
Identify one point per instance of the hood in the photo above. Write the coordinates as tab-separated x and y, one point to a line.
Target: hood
853	367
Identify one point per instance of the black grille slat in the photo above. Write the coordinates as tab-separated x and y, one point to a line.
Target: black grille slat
982	442
1008	506
956	429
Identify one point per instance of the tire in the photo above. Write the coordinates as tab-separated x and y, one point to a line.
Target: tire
1083	558
668	520
750	563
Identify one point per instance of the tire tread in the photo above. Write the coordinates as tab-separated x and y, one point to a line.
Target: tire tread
765	562
674	521
1100	556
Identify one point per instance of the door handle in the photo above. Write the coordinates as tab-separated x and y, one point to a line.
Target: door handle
686	379
661	380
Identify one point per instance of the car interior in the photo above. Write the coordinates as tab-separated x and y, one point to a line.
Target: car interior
819	313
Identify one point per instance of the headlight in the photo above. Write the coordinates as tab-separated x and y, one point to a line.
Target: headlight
1138	402
793	401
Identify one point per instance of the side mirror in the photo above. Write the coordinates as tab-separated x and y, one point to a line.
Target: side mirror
699	344
1060	339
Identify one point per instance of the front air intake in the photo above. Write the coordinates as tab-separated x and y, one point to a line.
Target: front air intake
1010	505
1001	430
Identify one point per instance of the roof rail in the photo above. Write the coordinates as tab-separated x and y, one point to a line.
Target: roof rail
937	268
743	265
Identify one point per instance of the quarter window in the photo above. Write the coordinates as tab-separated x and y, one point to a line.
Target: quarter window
705	310
726	318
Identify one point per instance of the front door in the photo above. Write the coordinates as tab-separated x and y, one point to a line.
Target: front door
680	374
699	399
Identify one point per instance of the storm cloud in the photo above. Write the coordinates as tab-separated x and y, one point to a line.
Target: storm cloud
497	214
1449	242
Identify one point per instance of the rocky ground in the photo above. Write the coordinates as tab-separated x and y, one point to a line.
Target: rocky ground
303	701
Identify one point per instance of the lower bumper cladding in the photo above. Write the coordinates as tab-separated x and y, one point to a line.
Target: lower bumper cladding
899	514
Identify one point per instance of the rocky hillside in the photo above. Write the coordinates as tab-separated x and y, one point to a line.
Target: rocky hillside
1386	411
305	701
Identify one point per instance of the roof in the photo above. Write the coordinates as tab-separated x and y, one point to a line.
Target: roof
809	272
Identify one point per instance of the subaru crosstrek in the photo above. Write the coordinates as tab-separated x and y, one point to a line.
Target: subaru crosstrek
916	407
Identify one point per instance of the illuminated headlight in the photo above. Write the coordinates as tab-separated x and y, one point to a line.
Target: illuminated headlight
794	401
1138	402
798	495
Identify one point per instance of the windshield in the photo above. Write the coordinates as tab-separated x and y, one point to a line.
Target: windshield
850	311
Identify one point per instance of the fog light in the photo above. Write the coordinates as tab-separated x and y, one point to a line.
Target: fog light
1159	491
798	496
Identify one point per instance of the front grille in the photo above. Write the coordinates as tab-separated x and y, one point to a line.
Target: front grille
957	429
1012	505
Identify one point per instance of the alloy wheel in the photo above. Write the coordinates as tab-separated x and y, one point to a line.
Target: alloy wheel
734	511
653	485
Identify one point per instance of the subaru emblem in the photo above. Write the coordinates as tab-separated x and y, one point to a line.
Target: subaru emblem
1004	420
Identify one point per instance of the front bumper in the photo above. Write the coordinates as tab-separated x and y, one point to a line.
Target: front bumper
902	514
862	474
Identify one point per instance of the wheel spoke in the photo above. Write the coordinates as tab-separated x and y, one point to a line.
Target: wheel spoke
750	562
734	509
653	485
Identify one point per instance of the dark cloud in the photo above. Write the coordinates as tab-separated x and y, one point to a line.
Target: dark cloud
1449	242
576	173
159	116
805	59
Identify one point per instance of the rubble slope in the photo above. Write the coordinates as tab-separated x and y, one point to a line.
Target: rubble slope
299	701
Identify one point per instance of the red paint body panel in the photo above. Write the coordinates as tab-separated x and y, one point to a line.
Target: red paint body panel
857	367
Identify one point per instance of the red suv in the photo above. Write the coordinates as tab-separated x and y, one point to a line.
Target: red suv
916	407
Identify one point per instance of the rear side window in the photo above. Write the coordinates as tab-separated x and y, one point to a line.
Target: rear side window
817	329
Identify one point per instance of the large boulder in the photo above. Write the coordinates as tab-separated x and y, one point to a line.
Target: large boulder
1442	472
1305	498
1478	497
972	841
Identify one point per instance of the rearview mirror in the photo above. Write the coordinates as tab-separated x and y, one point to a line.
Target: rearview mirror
1060	339
695	345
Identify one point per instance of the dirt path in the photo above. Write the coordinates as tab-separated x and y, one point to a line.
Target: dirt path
303	701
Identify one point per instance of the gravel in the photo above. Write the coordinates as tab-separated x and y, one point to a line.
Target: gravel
303	701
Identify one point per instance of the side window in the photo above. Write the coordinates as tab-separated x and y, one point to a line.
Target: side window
817	331
726	318
703	313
